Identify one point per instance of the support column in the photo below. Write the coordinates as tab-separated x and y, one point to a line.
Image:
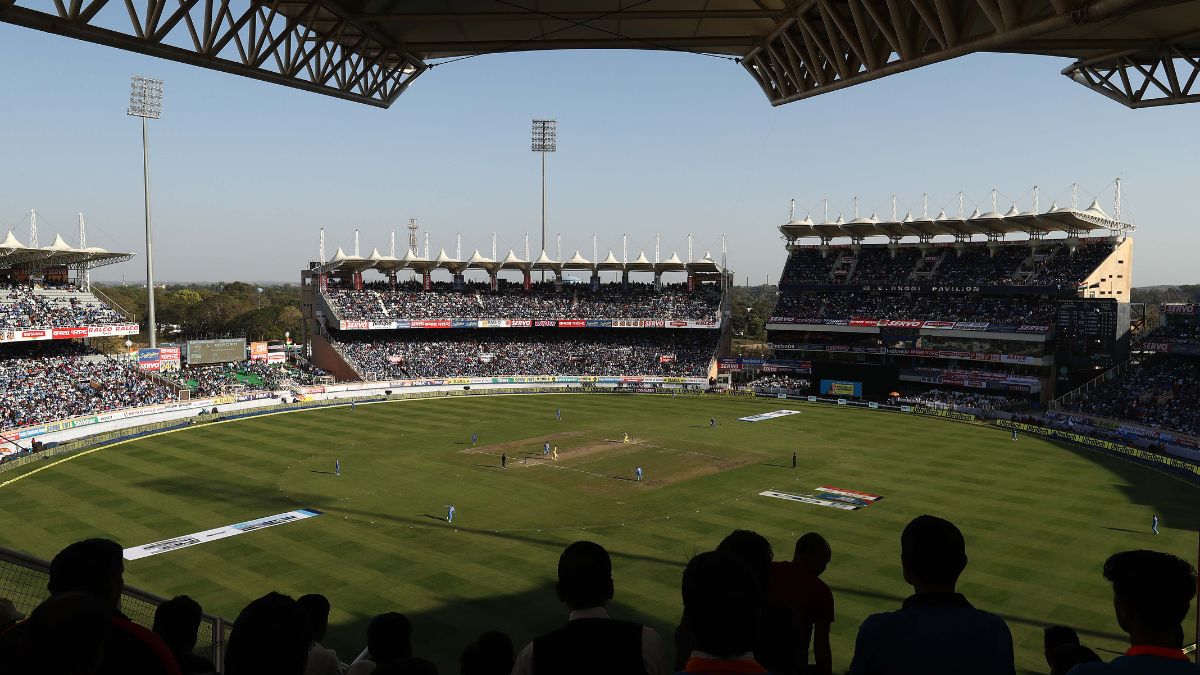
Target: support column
427	281
595	280
459	282
527	280
492	279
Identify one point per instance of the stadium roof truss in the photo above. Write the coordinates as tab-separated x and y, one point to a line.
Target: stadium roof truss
993	225
15	255
1139	52
386	264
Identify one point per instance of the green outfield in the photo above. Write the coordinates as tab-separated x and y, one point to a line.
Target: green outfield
1039	517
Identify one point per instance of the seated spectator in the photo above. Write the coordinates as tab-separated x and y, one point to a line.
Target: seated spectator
1057	636
591	642
936	631
8	614
389	638
797	585
65	634
490	654
95	567
321	659
177	621
1152	593
722	610
1063	658
269	637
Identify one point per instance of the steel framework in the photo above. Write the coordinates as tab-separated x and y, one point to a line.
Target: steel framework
832	44
314	46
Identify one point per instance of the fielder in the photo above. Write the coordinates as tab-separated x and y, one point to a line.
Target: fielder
450	514
637	474
337	467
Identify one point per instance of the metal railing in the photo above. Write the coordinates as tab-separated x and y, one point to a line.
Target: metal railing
1094	383
23	580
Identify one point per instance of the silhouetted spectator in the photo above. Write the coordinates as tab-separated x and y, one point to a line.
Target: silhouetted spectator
177	621
936	631
270	637
8	614
1064	657
590	642
797	585
721	609
96	567
389	638
490	654
1151	595
321	660
64	635
778	633
1054	637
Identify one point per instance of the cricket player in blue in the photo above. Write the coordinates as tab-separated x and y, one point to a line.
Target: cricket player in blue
1154	523
1014	434
337	467
546	448
637	474
474	438
450	514
558	414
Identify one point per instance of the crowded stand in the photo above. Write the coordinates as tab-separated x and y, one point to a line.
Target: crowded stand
939	398
488	353
1162	392
807	265
50	381
899	306
743	612
211	380
376	302
777	383
52	306
878	264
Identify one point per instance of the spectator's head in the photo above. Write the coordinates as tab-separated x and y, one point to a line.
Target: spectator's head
933	553
754	551
1054	637
1064	657
812	553
584	576
490	654
412	665
176	622
1151	594
66	635
389	637
316	607
8	614
271	636
721	604
93	566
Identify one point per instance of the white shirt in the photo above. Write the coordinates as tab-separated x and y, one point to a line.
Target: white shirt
653	657
323	661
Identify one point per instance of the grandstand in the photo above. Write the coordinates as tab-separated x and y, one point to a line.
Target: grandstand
985	310
422	328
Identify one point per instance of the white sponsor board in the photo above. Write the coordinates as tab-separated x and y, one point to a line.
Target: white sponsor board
147	550
768	416
808	499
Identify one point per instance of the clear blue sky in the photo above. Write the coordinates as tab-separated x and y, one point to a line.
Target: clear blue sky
244	172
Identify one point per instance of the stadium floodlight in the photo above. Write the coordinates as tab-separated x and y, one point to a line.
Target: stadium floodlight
545	139
145	101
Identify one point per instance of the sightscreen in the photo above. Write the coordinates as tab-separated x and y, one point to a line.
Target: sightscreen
216	351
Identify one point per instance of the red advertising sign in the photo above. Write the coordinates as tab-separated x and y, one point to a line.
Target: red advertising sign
68	333
900	323
677	324
864	322
30	334
572	323
521	323
355	325
434	323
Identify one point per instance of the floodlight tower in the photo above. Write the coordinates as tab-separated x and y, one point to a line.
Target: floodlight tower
545	139
145	101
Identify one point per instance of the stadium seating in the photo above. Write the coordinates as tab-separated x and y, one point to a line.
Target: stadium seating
1161	392
216	379
543	301
483	353
23	306
965	307
42	382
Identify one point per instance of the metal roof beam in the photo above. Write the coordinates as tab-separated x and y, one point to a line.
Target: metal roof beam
577	15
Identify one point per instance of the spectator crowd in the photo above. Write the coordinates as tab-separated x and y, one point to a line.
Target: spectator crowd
1162	392
744	613
42	382
542	301
488	353
211	380
1013	311
25	306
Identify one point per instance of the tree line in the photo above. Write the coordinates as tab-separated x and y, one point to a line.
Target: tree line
188	311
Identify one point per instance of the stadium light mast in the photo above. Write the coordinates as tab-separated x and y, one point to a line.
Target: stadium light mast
145	101
545	139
